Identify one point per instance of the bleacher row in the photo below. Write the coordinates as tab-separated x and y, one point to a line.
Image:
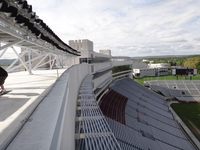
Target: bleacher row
91	127
184	90
20	13
149	123
113	106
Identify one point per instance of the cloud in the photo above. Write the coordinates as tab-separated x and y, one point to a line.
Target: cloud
127	27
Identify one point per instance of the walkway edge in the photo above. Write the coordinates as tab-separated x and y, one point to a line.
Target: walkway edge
14	128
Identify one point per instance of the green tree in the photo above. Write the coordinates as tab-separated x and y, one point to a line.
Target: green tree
192	62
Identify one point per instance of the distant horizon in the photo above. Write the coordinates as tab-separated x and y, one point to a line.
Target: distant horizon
169	55
177	55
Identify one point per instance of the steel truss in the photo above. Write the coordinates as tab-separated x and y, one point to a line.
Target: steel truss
12	34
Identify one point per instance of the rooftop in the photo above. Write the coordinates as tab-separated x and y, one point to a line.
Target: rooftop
26	93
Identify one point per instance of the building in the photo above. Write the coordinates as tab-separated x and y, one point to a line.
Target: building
184	71
81	45
85	46
141	69
106	51
149	72
159	65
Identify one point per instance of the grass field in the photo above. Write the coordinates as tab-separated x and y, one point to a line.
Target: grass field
190	115
170	77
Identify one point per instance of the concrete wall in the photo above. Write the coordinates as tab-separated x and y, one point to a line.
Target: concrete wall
121	63
102	66
104	78
147	72
52	126
76	74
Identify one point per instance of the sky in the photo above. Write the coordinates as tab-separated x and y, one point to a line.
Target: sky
127	27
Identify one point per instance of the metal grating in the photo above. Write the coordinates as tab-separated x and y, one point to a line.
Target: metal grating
92	129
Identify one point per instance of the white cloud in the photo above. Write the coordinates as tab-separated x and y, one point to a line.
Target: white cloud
127	27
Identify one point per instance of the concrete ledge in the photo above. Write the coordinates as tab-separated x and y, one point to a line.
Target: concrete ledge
23	114
12	121
37	133
52	125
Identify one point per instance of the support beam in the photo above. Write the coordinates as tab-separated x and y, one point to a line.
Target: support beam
52	62
11	68
10	44
38	64
48	62
3	52
20	59
29	62
50	67
59	62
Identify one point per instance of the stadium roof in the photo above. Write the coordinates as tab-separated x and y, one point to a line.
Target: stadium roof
20	25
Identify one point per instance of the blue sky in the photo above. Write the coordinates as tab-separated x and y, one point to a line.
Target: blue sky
127	27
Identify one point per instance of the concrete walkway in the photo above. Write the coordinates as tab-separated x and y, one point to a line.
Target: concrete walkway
26	93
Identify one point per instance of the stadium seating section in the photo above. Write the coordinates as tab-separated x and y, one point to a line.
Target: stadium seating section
182	90
149	125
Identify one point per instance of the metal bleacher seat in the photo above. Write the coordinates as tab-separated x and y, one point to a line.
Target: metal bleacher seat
183	90
148	119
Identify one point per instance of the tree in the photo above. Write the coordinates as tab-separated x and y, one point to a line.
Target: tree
192	62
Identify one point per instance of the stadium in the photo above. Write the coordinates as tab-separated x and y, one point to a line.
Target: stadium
63	97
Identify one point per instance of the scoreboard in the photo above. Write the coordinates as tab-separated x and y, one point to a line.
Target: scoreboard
184	71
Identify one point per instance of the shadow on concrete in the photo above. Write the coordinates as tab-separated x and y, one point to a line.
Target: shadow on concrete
35	87
10	105
29	82
26	94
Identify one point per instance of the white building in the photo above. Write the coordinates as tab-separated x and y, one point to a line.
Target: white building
100	64
105	51
149	72
88	55
85	46
159	65
141	69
